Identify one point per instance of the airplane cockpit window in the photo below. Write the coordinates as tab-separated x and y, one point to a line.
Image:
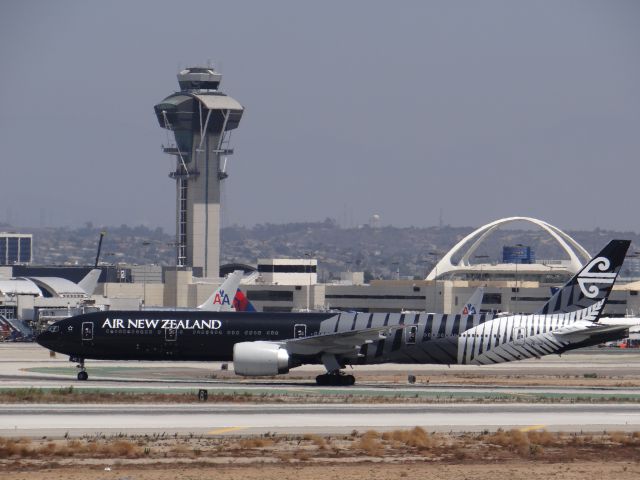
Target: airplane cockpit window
53	328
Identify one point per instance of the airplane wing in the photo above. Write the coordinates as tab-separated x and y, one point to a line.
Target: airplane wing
338	343
582	330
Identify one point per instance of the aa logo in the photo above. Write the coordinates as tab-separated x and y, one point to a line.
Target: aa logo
221	298
469	309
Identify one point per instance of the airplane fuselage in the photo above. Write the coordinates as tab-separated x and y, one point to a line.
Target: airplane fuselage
211	336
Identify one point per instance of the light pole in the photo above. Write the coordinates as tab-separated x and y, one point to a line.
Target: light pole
308	286
481	257
397	264
106	283
146	243
434	256
425	263
517	297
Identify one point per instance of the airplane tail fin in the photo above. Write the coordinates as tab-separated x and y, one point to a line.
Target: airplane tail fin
472	306
241	303
591	284
220	301
90	281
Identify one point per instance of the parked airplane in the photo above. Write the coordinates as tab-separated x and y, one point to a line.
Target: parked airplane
273	343
90	281
220	300
474	303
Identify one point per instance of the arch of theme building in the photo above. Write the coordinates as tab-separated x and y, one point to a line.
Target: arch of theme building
477	237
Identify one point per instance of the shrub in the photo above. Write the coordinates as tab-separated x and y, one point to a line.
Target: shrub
417	438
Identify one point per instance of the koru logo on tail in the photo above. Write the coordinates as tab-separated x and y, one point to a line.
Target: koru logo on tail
595	273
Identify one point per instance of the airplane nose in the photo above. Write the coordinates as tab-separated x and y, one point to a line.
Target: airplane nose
46	340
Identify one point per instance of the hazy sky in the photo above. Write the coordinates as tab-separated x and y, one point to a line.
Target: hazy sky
482	108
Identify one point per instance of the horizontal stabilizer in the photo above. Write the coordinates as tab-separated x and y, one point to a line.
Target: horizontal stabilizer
584	329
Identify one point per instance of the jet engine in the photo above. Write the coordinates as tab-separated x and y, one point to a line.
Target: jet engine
259	358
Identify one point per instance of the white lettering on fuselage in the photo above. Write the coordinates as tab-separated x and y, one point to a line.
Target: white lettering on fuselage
165	324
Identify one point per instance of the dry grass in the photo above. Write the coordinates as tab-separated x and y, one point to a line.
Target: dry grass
25	448
71	395
514	440
255	443
317	440
370	444
416	438
499	446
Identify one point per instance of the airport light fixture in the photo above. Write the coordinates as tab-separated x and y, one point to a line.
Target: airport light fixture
308	255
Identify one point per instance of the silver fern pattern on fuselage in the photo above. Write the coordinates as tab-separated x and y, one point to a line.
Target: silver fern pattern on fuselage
436	336
517	337
458	339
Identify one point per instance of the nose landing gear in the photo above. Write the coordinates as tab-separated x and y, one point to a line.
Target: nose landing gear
82	373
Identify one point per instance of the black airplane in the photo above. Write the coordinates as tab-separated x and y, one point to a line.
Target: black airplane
266	344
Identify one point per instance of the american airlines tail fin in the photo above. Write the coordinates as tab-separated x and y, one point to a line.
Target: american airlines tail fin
90	281
220	301
591	284
474	303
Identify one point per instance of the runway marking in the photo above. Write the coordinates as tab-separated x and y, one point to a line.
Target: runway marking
532	428
220	431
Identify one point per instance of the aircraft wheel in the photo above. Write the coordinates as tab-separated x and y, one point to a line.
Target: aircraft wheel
335	380
348	380
83	376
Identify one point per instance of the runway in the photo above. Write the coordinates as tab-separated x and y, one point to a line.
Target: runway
58	420
608	402
30	366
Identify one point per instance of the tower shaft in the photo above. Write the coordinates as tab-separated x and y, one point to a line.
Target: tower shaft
201	231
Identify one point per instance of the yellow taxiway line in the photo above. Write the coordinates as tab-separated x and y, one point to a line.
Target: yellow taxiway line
220	431
532	427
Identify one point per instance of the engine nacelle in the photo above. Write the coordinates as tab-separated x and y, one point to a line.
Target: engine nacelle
259	358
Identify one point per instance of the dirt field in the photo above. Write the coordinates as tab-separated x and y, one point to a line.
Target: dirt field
504	471
412	453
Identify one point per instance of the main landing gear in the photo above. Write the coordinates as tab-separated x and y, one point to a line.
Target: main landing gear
82	374
336	378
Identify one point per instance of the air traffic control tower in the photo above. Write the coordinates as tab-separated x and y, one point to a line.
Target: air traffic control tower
201	118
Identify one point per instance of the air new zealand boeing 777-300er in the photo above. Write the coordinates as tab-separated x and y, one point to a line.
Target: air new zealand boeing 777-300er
267	343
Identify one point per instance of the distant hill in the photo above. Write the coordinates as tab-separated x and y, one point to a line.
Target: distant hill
378	251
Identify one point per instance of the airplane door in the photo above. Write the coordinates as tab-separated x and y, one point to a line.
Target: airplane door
87	331
518	335
299	330
170	334
410	335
